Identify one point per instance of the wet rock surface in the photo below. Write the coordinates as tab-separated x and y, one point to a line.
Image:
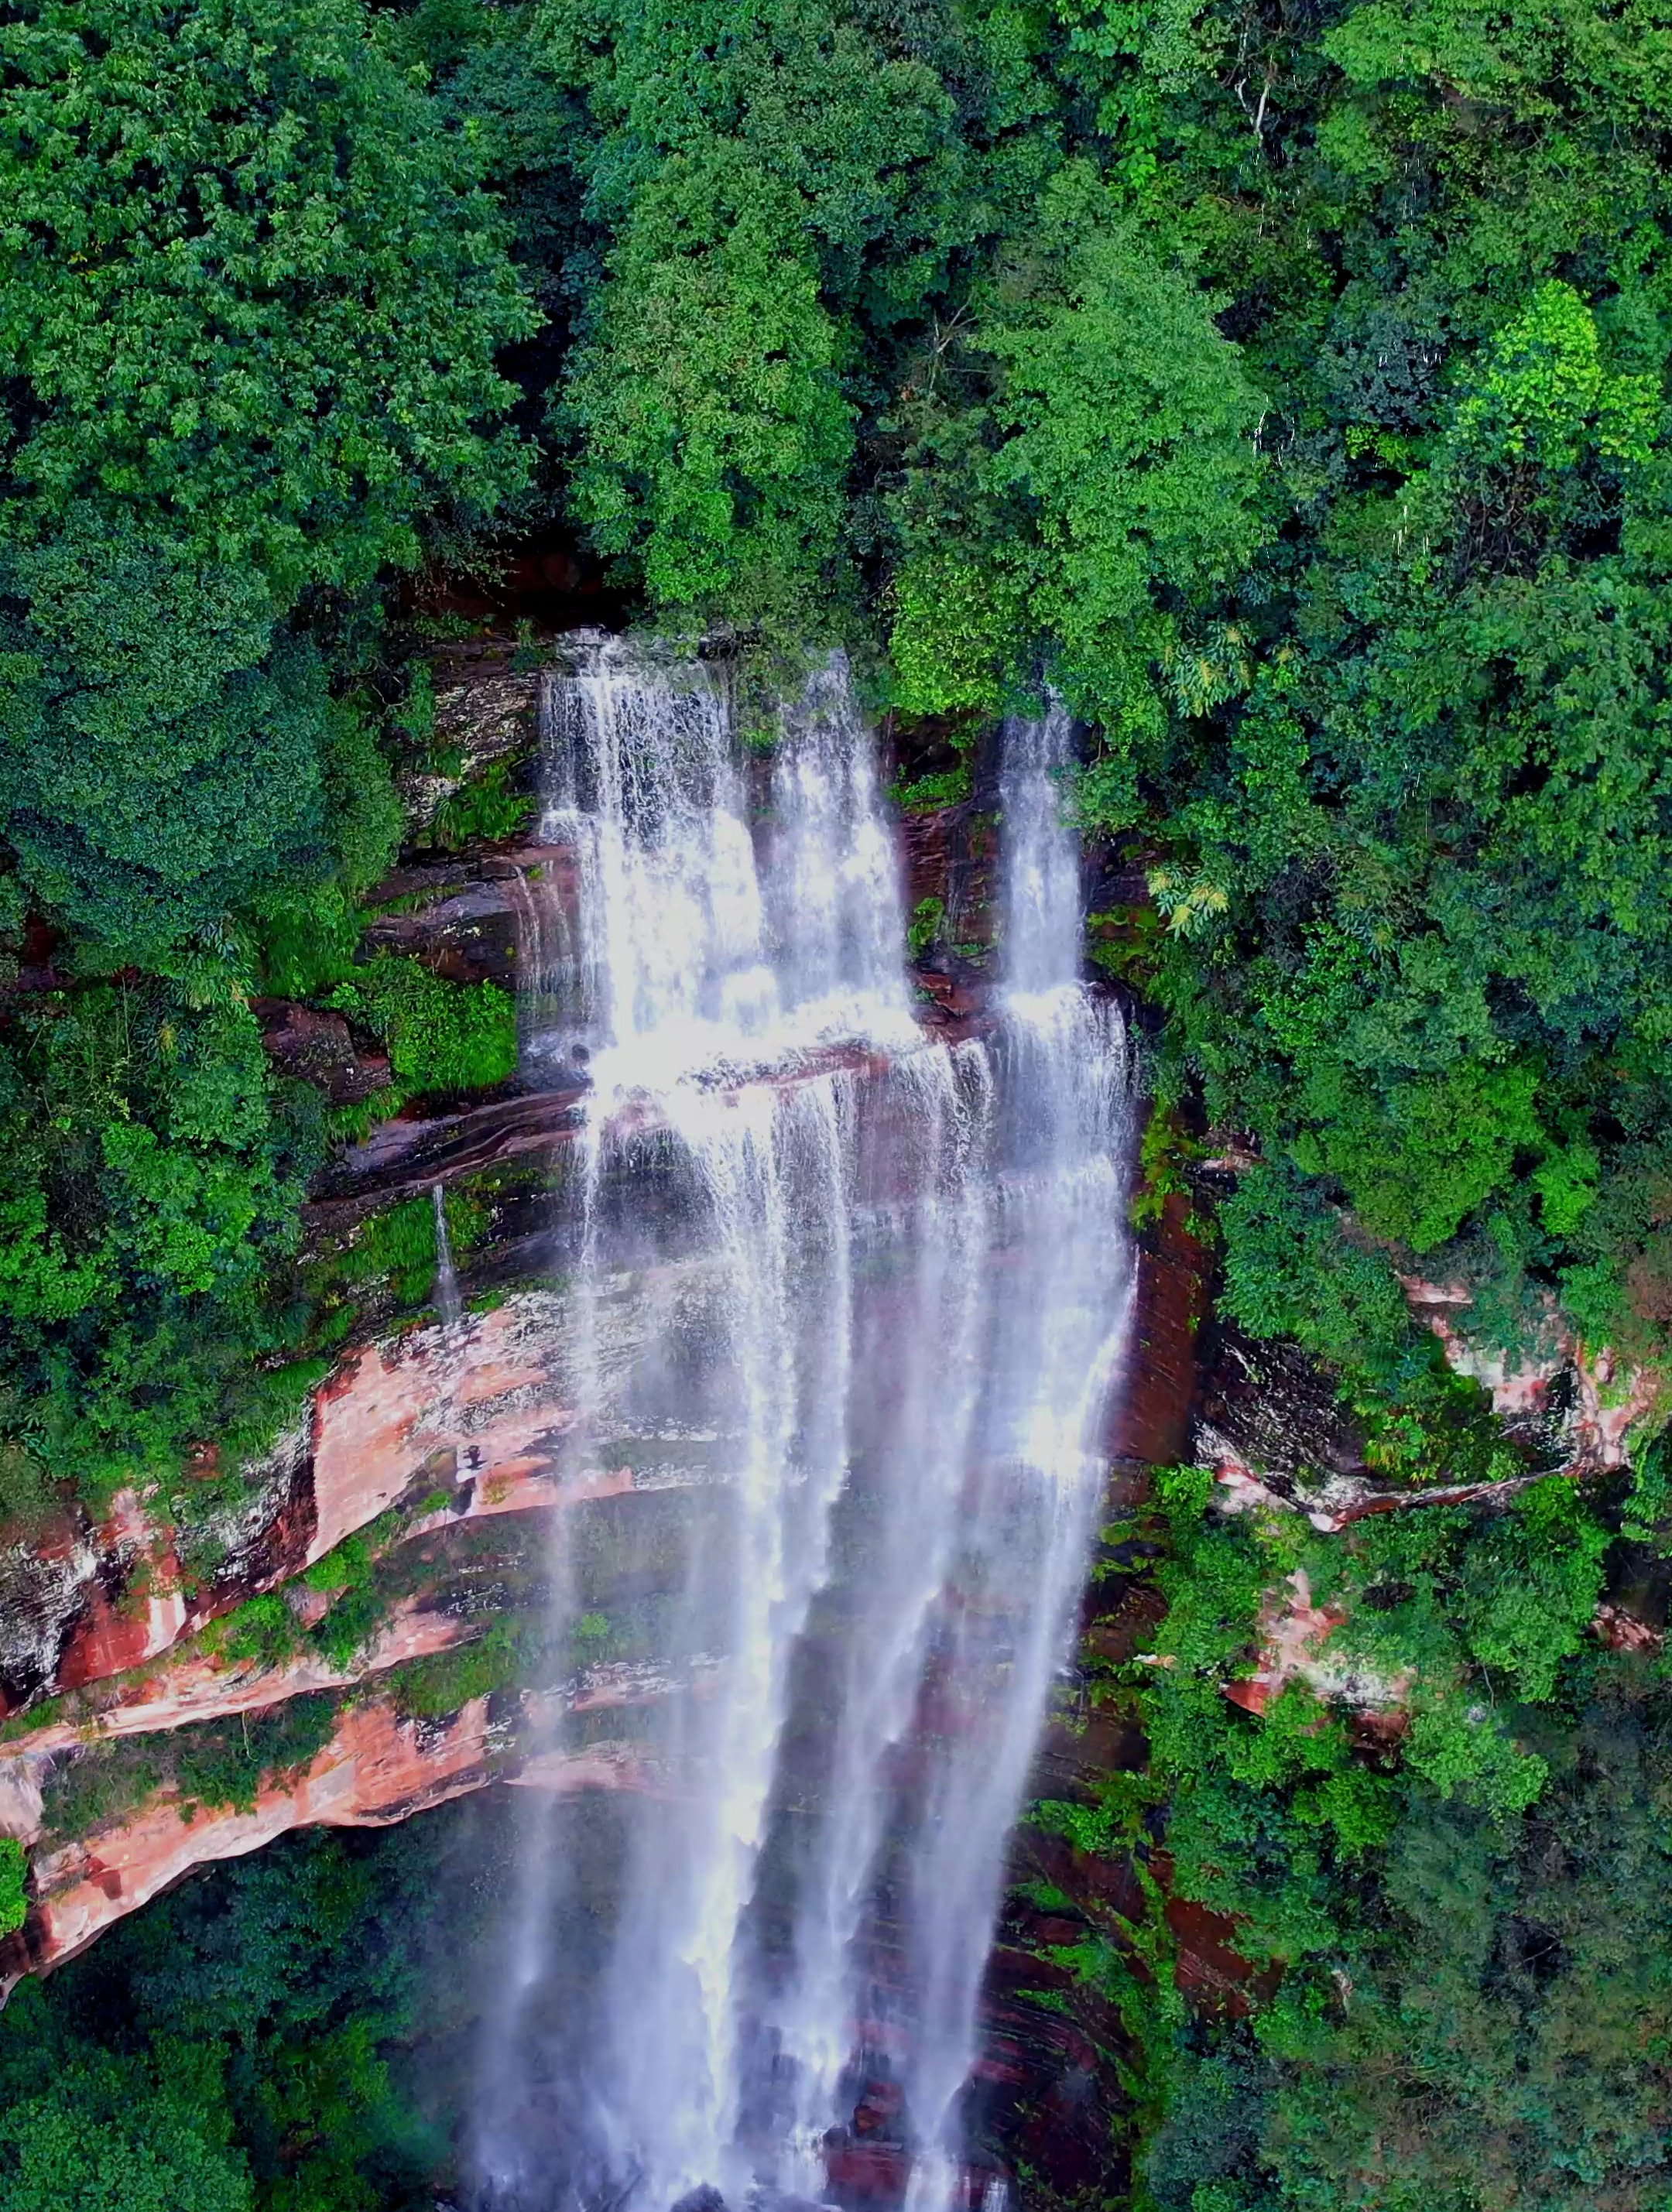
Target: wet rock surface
310	1046
1048	2096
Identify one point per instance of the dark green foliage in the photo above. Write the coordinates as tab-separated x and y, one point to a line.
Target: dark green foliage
248	359
158	758
1113	489
712	436
352	1621
1475	1988
279	339
262	1629
1503	2041
229	1766
1288	1272
102	2133
775	188
429	1689
228	2049
486	807
1414	799
251	296
152	1175
13	1867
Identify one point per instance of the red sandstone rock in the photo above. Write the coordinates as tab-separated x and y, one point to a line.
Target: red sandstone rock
196	1685
1206	1968
1610	1397
150	1611
1293	1634
471	1414
318	1048
1152	1415
1622	1632
377	1769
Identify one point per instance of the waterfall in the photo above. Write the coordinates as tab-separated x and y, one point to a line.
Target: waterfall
853	1302
448	1303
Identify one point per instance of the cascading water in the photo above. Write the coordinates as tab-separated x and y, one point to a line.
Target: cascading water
449	1304
877	1290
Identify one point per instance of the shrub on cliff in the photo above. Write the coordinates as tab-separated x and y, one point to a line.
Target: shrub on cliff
150	1176
13	1900
440	1036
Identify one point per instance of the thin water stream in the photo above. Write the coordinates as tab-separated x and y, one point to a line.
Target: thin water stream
449	1303
880	1288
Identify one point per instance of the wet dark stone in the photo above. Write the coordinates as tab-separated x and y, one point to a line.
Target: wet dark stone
705	2199
1274	1408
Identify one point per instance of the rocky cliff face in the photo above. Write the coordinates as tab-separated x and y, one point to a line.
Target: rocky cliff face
127	1632
442	1449
437	1427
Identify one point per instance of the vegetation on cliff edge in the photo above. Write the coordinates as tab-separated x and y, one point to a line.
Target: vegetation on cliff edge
1285	384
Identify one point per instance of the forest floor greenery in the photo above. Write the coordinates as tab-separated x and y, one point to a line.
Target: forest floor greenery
238	2045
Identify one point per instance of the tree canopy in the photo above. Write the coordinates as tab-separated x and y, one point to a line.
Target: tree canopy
250	298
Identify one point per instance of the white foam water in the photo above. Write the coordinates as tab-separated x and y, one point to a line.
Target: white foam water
449	1302
897	1320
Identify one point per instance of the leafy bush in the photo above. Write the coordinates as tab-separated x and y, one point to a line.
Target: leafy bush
351	1625
226	1767
440	1036
707	411
1289	1273
262	1628
484	807
927	919
152	1177
105	2133
397	1245
432	1688
14	1899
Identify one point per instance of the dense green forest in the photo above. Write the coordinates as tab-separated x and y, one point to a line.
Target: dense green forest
1287	388
1281	380
290	2032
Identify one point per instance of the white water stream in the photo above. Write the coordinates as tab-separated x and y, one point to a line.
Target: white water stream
887	1285
449	1304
